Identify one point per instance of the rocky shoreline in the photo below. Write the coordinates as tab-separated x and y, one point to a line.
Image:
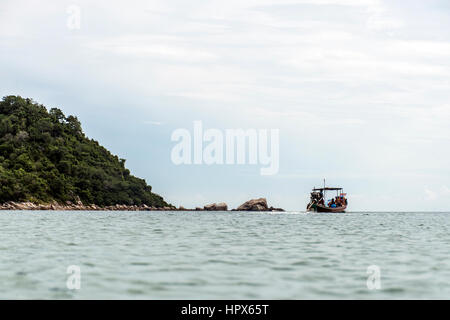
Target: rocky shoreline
251	205
10	205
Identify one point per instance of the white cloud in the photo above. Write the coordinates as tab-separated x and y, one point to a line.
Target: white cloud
441	193
143	46
156	123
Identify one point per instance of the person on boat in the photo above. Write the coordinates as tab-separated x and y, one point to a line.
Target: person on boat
333	204
338	202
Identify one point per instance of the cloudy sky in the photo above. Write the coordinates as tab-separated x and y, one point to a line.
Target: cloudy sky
359	90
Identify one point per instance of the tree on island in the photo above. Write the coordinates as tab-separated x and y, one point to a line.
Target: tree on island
45	157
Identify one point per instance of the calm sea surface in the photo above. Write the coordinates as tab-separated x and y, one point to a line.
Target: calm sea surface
224	255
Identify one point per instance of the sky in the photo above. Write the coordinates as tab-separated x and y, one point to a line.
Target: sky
358	89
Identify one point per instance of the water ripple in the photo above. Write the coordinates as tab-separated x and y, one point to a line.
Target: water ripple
202	255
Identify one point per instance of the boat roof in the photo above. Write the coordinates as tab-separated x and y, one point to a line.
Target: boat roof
327	188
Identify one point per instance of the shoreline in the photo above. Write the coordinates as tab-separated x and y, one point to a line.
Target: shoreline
54	206
251	205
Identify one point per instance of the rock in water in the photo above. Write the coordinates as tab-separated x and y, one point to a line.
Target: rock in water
254	205
276	209
216	207
222	206
209	207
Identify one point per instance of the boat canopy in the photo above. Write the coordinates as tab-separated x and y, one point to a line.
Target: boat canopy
327	188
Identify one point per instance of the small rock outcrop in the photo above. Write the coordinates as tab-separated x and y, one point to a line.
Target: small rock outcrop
222	206
256	205
216	207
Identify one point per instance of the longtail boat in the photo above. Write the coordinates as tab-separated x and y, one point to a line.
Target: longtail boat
317	201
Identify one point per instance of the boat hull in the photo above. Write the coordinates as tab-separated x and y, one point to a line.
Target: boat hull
320	208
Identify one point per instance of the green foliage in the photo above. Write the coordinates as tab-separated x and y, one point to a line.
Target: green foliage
45	156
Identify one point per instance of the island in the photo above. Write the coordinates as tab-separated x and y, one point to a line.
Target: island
48	163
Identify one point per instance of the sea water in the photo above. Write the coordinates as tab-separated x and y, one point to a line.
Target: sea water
224	255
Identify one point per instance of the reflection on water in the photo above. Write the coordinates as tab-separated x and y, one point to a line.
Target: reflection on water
224	255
